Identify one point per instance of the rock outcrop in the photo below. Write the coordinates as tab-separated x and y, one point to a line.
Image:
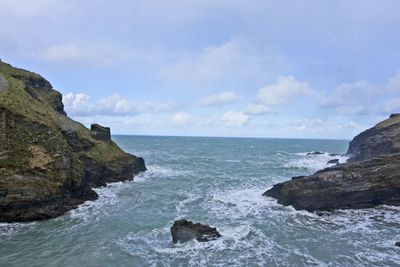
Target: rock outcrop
371	176
183	231
48	162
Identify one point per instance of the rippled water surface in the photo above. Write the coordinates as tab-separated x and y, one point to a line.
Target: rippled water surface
218	181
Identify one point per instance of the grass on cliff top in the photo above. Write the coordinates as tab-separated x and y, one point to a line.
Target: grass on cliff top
16	99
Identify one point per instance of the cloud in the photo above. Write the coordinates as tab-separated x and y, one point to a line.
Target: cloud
77	104
234	118
256	109
158	107
220	99
232	60
365	98
286	88
182	118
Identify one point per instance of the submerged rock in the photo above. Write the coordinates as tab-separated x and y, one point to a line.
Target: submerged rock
314	153
49	162
370	178
183	231
333	161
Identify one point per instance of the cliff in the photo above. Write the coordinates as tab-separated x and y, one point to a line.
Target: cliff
49	162
371	177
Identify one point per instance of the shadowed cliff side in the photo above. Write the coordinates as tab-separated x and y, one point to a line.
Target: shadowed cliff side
48	162
371	177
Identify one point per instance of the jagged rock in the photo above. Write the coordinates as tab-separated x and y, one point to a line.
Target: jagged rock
397	244
351	185
183	231
314	153
370	178
333	161
101	133
382	139
394	115
48	162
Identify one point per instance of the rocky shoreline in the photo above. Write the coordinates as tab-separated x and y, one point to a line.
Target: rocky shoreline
49	163
371	176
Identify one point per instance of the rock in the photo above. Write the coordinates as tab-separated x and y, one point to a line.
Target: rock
382	139
394	115
48	162
397	244
298	177
183	231
314	153
370	178
333	161
346	186
100	133
333	154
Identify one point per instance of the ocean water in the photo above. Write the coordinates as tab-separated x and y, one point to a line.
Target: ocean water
217	181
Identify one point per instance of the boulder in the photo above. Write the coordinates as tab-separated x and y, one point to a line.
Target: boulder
333	161
397	244
183	231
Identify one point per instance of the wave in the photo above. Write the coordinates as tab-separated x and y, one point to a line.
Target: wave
313	162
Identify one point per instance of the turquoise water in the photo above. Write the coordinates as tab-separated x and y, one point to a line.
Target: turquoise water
218	181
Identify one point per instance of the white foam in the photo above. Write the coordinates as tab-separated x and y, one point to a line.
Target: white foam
313	162
158	171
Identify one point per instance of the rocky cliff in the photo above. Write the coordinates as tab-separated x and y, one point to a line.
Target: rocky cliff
371	176
49	162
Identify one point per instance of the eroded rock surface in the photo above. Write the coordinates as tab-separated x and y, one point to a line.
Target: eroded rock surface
48	162
183	231
370	178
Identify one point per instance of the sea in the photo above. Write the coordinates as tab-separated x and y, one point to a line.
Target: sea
214	181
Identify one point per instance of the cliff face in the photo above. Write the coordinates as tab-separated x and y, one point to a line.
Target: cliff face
382	139
370	178
48	162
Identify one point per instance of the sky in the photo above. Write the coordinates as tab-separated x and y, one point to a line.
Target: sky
254	68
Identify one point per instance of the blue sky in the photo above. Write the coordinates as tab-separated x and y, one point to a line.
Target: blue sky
308	69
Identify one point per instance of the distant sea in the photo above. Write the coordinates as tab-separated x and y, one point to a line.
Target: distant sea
216	181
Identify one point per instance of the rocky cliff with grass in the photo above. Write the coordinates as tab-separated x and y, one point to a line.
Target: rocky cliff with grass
371	176
49	163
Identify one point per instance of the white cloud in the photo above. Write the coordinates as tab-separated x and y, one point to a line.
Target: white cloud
364	98
234	118
219	99
256	109
182	118
286	88
116	105
76	103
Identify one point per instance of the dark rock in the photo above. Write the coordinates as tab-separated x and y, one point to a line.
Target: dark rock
101	133
298	177
370	178
397	244
334	154
183	231
333	161
382	139
345	186
314	153
394	115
